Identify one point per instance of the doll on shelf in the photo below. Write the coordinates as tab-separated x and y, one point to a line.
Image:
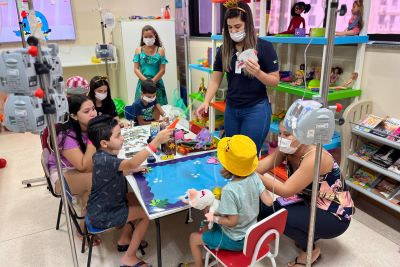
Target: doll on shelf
299	78
347	84
335	74
202	88
356	21
297	20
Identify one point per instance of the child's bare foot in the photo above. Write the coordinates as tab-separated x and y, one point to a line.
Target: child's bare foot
96	239
133	261
302	258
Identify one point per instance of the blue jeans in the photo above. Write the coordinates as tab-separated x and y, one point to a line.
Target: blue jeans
251	121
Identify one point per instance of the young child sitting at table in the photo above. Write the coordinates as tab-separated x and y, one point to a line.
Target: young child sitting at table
240	199
147	109
109	203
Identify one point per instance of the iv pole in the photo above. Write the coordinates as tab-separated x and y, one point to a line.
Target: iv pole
21	30
52	131
103	25
326	63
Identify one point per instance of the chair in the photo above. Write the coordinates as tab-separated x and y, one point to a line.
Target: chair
256	244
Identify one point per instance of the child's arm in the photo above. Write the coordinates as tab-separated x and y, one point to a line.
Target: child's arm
139	158
141	121
161	72
136	66
227	220
156	112
160	110
266	198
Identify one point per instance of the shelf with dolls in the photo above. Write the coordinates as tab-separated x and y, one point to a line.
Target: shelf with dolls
339	40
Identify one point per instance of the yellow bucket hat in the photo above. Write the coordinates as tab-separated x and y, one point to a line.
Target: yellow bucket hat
238	155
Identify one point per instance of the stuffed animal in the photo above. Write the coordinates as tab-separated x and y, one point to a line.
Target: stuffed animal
201	200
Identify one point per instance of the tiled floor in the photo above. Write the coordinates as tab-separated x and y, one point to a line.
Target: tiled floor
28	217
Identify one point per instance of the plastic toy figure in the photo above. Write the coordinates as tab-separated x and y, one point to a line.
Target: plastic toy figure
347	84
299	78
202	88
356	21
335	73
297	20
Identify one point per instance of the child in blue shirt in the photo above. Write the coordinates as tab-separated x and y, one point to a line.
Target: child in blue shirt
109	203
240	199
147	109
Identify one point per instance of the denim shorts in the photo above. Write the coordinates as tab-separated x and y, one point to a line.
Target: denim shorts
216	238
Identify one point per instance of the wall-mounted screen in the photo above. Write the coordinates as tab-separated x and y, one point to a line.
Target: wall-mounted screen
54	17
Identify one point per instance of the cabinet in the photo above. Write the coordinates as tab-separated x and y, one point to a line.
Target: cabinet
126	38
352	140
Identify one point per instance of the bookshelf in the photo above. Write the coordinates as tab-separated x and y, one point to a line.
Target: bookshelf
352	139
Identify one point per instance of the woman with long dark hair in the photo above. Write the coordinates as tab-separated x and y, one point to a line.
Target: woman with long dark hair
248	110
149	63
100	94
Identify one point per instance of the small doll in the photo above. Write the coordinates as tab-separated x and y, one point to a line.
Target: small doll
335	73
297	20
201	200
347	84
356	21
299	78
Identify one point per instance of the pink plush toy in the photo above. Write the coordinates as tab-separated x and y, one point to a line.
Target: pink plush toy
201	200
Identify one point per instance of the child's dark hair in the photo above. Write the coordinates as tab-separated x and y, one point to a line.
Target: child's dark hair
150	28
96	82
100	128
149	87
72	128
302	5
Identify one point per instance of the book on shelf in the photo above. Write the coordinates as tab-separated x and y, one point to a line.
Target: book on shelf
395	136
386	188
385	156
395	199
369	123
395	167
386	127
366	151
364	177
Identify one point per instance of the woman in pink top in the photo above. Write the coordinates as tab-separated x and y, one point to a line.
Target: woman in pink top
76	150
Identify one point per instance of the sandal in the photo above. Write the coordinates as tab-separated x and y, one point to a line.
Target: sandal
123	248
303	264
139	264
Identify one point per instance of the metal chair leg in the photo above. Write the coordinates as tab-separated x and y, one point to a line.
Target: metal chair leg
59	215
83	244
90	250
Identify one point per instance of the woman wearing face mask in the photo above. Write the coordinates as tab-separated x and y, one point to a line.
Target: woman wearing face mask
248	110
149	63
100	94
334	204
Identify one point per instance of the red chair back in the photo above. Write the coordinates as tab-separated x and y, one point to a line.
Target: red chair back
276	221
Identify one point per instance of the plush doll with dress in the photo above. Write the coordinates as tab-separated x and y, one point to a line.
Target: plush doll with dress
201	200
297	20
356	21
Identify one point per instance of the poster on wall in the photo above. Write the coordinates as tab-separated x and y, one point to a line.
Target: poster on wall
54	17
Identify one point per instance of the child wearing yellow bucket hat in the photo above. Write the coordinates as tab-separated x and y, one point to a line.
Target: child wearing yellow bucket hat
240	199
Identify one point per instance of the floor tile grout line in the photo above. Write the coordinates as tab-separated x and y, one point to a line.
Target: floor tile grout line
18	237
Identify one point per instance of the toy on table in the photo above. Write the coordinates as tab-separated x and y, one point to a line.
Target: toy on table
200	200
347	84
299	74
202	138
335	74
297	20
356	21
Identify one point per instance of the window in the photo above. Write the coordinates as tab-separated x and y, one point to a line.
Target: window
200	18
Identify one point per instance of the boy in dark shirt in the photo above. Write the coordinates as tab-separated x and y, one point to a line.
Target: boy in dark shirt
109	203
146	108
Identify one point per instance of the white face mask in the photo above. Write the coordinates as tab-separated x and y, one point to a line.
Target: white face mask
237	36
149	41
149	99
100	96
284	146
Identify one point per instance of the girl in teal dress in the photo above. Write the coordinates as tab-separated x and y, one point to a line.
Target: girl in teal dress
149	63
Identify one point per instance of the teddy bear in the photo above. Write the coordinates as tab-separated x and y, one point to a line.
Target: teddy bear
200	200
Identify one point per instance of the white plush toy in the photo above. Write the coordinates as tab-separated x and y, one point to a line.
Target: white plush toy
201	200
